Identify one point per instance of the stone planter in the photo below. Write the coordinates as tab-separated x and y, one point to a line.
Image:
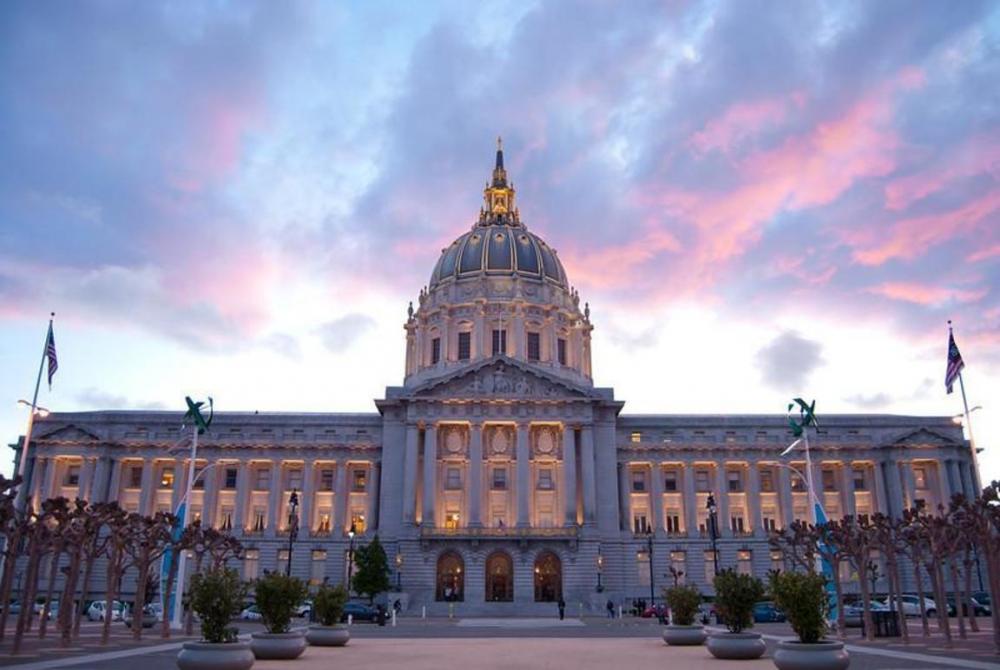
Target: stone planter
677	635
736	646
215	656
328	636
822	655
284	646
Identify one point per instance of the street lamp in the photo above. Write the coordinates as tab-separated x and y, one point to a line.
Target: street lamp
649	549
399	571
42	412
600	569
350	556
713	529
293	527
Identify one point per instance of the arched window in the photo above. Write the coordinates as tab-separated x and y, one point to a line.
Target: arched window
548	577
499	577
450	577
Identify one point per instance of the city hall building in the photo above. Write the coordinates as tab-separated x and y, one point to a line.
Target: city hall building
498	475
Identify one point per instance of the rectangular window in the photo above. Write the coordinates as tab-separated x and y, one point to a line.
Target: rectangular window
769	518
670	481
736	522
534	347
642	565
282	559
766	481
499	479
829	480
798	484
72	476
920	477
259	520
635	436
499	342
452	519
860	483
545	479
435	351
324	521
231	477
318	571
135	477
678	566
561	349
294	480
358	521
326	479
464	346
701	481
498	517
777	560
226	519
673	522
251	560
744	562
638	481
545	516
735	480
262	481
453	478
640	523
359	481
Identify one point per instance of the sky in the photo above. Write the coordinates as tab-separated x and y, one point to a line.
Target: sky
758	200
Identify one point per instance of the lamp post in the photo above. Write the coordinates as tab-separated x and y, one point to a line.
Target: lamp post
713	529
399	571
649	549
600	569
350	556
293	527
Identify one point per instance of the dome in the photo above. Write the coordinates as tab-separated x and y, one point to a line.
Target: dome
499	244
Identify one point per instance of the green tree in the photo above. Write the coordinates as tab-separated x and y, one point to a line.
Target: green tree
372	576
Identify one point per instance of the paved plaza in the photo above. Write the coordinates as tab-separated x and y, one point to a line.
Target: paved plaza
500	643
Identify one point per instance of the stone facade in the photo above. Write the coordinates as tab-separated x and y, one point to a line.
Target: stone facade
498	476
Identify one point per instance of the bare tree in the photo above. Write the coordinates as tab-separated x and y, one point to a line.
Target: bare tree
116	522
148	538
59	517
92	546
73	536
856	539
36	534
913	545
11	529
888	540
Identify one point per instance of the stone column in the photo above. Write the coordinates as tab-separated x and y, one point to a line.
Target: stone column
274	499
881	503
569	475
847	488
308	492
47	481
968	483
342	522
656	491
589	481
519	344
148	492
99	488
753	500
896	501
523	477
476	475
430	476
911	483
115	486
722	499
211	496
954	485
410	475
785	492
625	497
86	479
374	490
690	501
242	492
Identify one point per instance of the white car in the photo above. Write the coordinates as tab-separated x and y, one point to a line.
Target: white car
98	608
910	605
305	609
251	614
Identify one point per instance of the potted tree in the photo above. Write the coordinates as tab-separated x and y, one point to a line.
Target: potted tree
328	606
682	629
278	596
217	596
735	595
804	600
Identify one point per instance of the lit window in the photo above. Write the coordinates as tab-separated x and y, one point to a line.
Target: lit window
769	518
294	479
701	481
452	519
226	519
640	523
72	476
453	478
735	481
636	436
561	348
766	481
777	560
318	570
499	342
744	562
673	522
798	484
638	481
282	558
860	482
920	477
435	351
464	346
736	521
231	477
324	521
670	481
251	559
829	483
263	479
135	477
499	479
360	480
534	346
545	478
326	479
358	521
259	520
678	564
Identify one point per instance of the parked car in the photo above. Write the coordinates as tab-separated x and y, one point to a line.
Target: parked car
251	613
911	605
766	612
149	618
305	609
98	610
358	612
853	612
14	607
983	598
654	612
978	608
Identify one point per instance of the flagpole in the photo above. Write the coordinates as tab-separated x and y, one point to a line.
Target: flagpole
176	622
972	440
22	468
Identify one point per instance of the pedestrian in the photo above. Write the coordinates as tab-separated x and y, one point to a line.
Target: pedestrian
396	606
611	609
562	608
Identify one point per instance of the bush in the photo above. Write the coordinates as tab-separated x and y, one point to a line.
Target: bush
803	599
735	596
217	596
278	596
683	602
328	604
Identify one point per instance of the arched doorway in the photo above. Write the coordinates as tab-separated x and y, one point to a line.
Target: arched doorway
499	577
450	577
548	577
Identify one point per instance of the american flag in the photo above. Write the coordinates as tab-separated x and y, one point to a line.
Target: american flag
955	363
50	353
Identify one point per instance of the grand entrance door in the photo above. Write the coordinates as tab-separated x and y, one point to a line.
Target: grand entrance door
548	577
499	577
450	577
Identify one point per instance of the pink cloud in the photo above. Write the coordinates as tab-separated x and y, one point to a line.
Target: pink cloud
978	155
618	266
743	120
984	254
925	294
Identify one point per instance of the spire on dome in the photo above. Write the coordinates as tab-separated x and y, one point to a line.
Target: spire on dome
499	153
499	195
